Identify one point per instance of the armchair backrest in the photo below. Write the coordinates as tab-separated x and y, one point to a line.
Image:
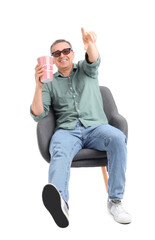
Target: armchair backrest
109	105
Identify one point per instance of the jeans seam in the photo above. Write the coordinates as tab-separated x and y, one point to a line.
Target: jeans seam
68	168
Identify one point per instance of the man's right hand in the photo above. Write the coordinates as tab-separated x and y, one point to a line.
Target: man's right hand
38	74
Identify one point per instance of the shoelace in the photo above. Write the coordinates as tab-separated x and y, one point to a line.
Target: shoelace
118	205
116	202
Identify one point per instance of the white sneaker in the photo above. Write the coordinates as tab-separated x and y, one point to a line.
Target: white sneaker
55	205
119	214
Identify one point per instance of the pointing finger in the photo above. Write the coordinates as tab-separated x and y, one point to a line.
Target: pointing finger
83	31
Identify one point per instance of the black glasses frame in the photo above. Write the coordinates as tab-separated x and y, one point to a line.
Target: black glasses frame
58	53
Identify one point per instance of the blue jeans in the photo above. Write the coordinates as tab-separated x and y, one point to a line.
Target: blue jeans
65	144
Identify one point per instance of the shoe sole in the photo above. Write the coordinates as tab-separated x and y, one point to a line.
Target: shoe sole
52	201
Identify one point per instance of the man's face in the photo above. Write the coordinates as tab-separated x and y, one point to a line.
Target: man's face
63	62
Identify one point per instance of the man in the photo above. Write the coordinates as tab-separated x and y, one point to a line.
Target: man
80	123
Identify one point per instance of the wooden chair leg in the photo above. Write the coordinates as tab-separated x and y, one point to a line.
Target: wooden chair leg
104	171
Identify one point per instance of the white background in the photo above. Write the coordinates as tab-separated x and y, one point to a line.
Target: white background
126	42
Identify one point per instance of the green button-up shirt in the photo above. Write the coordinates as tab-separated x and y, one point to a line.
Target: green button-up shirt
76	97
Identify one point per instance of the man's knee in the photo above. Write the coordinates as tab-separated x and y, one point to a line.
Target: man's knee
118	138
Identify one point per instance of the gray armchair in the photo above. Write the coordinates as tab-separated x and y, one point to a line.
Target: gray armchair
85	157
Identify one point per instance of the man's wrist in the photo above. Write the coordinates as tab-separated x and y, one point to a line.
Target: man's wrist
92	52
38	88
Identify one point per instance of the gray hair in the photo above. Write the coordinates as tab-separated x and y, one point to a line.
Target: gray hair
58	41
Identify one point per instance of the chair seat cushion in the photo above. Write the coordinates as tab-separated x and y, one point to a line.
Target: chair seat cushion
90	158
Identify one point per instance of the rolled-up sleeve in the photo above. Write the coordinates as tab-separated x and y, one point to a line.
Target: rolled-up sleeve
46	97
91	69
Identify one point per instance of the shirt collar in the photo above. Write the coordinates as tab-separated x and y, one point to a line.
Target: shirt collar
58	74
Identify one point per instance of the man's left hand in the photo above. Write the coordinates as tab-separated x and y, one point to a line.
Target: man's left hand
88	38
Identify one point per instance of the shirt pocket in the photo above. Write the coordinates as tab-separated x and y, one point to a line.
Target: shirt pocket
63	101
